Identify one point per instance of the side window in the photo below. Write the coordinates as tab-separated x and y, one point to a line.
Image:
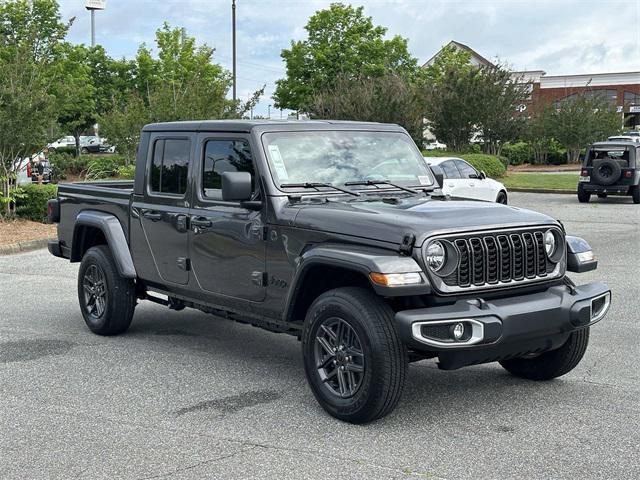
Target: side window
170	166
450	170
466	170
224	156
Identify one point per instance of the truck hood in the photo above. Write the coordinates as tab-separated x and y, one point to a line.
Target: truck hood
422	217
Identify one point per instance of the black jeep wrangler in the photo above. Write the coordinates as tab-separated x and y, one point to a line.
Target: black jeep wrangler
338	234
610	168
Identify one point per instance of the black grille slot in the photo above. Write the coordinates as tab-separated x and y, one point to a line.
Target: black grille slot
494	258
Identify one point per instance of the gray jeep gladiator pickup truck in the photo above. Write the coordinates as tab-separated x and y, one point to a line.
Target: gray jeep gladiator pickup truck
336	233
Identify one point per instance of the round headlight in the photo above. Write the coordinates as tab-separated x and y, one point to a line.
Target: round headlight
435	256
550	243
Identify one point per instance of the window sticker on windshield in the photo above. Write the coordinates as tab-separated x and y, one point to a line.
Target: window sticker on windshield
423	179
278	163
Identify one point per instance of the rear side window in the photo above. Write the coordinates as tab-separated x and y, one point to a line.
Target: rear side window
224	156
450	170
170	166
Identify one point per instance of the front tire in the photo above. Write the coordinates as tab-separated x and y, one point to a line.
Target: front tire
354	360
107	300
553	364
583	197
502	198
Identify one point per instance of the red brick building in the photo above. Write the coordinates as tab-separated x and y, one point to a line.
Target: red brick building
622	89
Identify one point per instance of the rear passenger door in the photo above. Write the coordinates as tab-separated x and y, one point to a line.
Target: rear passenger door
227	241
164	211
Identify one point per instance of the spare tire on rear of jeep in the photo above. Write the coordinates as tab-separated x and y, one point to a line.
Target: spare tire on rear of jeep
606	171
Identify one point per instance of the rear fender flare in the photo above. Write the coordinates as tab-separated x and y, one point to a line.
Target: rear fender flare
112	230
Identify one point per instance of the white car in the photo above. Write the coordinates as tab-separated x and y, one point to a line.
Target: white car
462	180
68	141
436	145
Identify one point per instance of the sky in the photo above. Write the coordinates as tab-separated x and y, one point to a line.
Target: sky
558	36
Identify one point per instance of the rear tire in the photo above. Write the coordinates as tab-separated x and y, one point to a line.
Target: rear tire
353	317
84	150
635	194
107	300
551	364
583	197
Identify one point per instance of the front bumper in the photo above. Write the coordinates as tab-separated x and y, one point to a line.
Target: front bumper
503	328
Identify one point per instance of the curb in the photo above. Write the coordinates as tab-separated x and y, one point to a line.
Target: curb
541	190
26	246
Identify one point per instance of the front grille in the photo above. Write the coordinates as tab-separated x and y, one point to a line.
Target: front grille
492	259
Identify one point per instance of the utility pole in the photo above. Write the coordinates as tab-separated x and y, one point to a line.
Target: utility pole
269	111
233	29
93	28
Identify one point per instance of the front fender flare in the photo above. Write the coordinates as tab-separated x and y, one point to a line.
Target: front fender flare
110	226
358	259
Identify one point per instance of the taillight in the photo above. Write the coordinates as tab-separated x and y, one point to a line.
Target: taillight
584	172
29	169
628	173
53	210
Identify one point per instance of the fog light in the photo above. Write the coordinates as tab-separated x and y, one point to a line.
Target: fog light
458	331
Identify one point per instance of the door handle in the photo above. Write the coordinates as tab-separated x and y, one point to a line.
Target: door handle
472	184
200	222
151	215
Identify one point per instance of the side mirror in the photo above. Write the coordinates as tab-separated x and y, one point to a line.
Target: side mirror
482	175
236	186
438	173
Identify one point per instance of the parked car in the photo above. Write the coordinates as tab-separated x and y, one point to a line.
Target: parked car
610	168
94	144
24	172
63	142
462	180
335	233
435	146
631	138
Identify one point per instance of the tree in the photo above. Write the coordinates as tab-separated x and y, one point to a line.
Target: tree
30	33
498	95
181	83
74	91
583	119
538	132
342	43
452	106
389	99
448	58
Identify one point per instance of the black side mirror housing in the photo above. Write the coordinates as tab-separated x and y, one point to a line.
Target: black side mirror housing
438	173
236	186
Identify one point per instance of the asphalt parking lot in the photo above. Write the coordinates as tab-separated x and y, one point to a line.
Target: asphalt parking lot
185	395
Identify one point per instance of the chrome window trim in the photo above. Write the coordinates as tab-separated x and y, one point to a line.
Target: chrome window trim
438	282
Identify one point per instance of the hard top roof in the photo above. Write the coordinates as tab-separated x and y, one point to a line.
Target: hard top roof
616	143
266	126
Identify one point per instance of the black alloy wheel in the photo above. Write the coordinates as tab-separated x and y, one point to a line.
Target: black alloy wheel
95	291
339	357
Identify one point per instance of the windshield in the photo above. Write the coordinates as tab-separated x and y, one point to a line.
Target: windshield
338	157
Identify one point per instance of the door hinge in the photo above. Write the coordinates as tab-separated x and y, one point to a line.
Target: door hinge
184	263
406	247
260	231
259	278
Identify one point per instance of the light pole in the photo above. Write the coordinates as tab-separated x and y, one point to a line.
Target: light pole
233	34
269	111
92	6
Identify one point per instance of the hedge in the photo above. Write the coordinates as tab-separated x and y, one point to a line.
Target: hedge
105	166
32	204
492	165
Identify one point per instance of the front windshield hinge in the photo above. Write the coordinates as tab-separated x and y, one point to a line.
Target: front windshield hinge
406	247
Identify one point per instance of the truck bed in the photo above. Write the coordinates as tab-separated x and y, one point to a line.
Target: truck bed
105	196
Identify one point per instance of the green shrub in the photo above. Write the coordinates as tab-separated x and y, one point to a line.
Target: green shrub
492	165
32	204
65	164
518	153
66	150
489	164
105	166
127	172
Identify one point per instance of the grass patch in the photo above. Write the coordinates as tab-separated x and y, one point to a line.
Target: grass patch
552	181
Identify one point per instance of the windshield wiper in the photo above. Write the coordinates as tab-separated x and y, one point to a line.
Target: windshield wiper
375	183
317	186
